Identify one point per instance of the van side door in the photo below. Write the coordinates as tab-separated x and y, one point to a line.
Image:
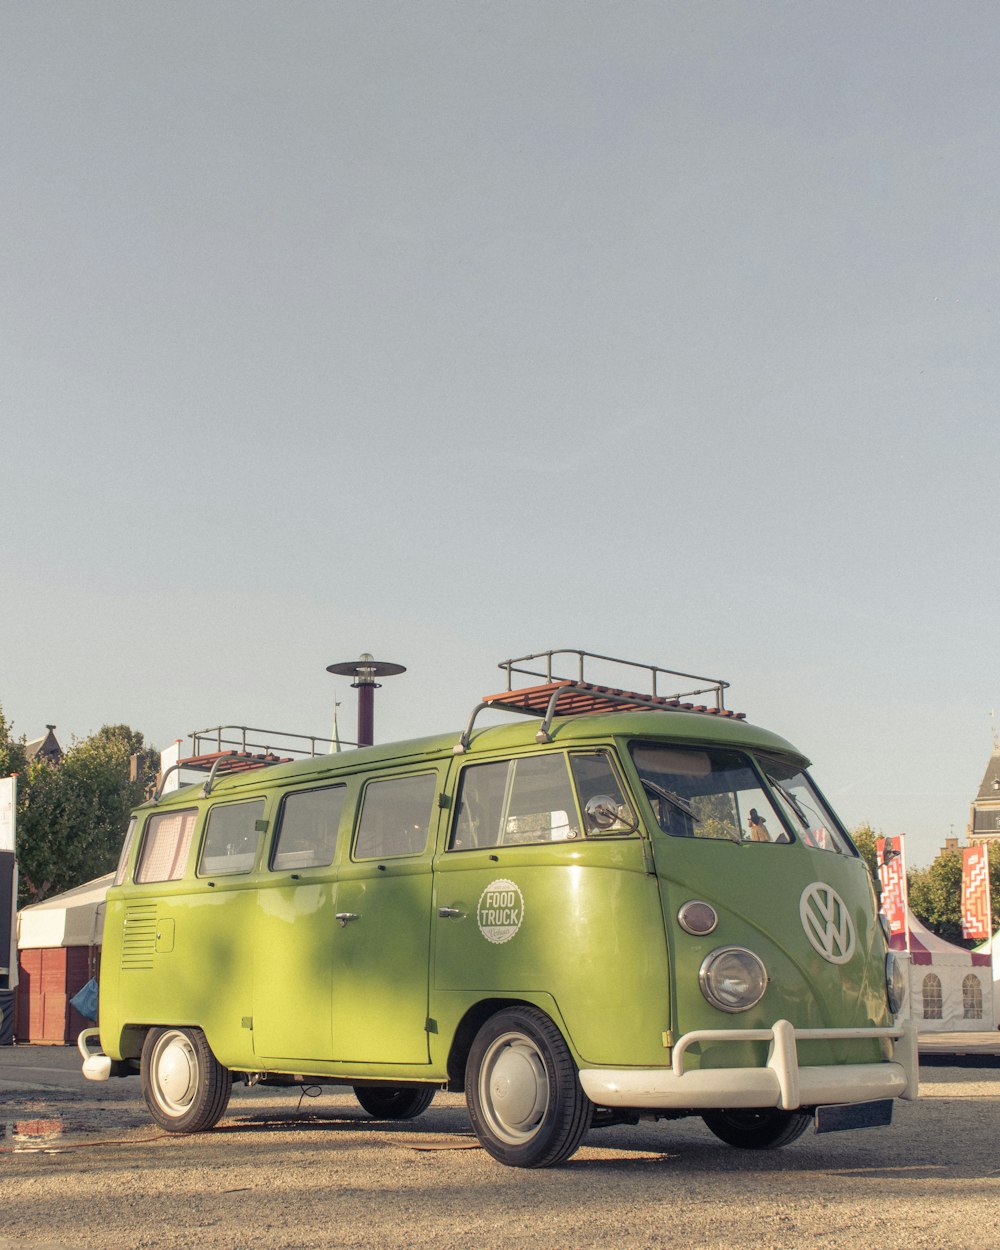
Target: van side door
382	939
295	943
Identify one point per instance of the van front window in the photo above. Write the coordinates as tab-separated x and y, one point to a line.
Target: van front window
805	810
707	793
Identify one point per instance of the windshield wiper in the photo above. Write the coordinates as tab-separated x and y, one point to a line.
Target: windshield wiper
793	802
682	805
675	800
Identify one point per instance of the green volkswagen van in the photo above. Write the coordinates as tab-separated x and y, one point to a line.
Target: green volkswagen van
621	904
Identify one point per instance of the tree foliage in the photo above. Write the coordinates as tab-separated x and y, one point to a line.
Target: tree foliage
936	894
72	816
865	838
12	757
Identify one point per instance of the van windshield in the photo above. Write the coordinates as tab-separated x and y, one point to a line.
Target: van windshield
804	807
707	793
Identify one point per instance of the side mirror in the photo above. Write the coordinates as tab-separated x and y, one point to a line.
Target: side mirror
604	812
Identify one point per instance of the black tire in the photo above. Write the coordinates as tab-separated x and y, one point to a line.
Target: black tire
185	1087
523	1090
757	1129
394	1103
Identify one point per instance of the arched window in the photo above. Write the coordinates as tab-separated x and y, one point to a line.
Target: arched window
933	1002
972	997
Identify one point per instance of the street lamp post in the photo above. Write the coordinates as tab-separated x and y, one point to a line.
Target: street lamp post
364	670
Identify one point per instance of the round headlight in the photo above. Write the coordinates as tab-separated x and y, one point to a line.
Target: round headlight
733	979
895	983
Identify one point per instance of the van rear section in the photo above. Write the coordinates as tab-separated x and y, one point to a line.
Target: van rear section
620	905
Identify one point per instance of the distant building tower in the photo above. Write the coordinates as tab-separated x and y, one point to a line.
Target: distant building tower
984	821
46	749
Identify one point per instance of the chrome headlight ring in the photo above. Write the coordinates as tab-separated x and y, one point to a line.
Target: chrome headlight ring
732	978
895	982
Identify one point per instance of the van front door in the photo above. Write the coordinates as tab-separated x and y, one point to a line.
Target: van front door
382	939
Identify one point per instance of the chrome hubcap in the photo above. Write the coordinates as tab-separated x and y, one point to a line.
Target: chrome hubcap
514	1088
175	1073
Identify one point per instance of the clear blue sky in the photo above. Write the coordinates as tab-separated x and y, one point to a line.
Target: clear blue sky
452	331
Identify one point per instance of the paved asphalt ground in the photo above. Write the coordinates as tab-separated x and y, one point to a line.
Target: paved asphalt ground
42	1067
82	1167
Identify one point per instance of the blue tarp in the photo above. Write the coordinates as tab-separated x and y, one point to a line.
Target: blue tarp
85	1000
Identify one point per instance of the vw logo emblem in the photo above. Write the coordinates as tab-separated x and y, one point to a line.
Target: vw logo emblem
827	922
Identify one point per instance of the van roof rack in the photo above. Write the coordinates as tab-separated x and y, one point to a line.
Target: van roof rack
576	696
245	740
210	754
219	764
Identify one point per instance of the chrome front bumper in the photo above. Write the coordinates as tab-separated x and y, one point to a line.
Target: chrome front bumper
780	1083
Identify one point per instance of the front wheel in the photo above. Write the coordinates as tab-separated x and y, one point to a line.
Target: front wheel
185	1087
394	1103
523	1091
764	1129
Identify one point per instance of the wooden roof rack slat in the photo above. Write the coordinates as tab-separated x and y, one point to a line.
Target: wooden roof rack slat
225	749
219	764
579	697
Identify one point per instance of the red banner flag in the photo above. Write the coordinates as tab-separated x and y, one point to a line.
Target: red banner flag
892	877
976	893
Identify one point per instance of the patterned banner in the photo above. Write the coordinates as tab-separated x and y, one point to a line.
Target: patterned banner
892	876
976	893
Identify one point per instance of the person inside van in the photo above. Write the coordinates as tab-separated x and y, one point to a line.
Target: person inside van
757	829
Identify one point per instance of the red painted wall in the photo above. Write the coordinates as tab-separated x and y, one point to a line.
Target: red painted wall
48	979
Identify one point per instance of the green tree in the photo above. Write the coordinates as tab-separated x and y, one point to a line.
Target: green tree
12	757
936	894
72	816
865	839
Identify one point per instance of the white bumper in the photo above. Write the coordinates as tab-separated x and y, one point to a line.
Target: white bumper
96	1064
781	1083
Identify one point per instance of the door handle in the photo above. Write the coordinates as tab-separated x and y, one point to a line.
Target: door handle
345	916
450	913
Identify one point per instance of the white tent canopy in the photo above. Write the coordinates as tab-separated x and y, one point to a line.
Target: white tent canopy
950	989
75	918
992	947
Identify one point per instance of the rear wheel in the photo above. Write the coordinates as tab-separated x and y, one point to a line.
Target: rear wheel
185	1087
523	1091
757	1129
392	1103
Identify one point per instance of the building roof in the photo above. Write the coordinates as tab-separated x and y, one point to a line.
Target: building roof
45	748
990	787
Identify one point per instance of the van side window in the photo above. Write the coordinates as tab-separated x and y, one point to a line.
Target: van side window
602	801
395	817
307	832
126	852
165	846
515	803
230	844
